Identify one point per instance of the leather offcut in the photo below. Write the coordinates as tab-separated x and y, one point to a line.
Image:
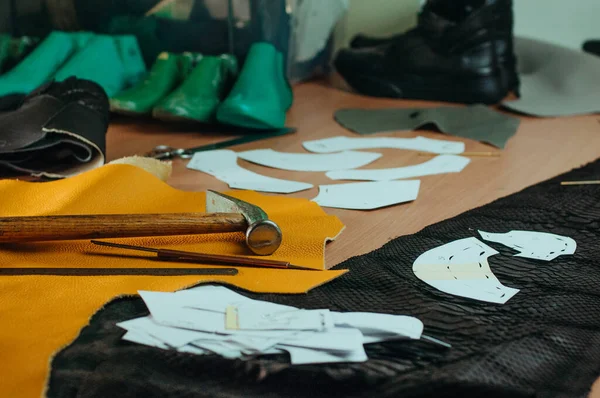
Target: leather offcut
59	130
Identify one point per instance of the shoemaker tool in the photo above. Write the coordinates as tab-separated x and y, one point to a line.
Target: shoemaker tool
223	214
178	255
118	271
163	152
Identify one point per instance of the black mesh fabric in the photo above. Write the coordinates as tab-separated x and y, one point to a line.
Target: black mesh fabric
544	342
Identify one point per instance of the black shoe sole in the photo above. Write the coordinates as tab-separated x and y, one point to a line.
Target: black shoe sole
484	90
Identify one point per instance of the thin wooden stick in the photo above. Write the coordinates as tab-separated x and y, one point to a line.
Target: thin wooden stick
185	256
482	154
591	182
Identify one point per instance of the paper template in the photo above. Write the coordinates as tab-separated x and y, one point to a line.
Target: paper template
370	324
173	337
477	122
367	195
145	339
342	143
309	161
198	320
336	339
305	356
461	268
439	165
222	164
535	245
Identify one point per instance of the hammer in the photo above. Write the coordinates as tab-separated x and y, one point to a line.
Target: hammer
223	214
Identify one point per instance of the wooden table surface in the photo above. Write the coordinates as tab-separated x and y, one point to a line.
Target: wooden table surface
541	149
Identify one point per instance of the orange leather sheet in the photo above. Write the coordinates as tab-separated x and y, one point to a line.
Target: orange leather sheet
41	314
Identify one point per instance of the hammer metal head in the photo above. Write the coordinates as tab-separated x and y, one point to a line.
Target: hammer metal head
263	236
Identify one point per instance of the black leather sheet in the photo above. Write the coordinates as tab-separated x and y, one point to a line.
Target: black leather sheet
544	342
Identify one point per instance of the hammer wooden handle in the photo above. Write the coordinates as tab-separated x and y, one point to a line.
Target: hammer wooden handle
44	228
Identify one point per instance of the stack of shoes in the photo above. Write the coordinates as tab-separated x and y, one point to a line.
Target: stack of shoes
207	89
113	62
460	51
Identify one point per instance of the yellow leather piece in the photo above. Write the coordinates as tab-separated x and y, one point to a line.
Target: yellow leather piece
41	314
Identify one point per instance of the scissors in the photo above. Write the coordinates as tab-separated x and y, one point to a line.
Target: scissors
163	152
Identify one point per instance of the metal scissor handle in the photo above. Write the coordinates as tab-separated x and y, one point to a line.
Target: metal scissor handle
163	152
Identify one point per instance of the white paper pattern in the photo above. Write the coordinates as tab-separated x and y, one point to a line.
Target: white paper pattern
439	165
370	324
309	161
536	245
367	195
195	321
222	164
305	356
423	144
461	268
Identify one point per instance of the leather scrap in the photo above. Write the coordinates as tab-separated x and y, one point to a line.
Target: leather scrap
58	131
555	80
476	122
41	314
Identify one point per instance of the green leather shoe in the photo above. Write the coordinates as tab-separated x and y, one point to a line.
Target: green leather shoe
40	65
168	72
198	98
112	62
262	95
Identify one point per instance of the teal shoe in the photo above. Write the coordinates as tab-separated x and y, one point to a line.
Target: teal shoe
262	95
198	98
18	49
5	43
40	65
112	62
166	74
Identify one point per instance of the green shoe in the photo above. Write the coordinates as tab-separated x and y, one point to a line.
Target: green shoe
112	62
262	95
39	66
198	98
168	72
18	49
5	42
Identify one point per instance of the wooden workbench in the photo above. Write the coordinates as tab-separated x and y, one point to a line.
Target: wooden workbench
541	149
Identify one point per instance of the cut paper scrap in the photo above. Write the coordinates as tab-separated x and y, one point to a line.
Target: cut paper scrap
438	165
555	80
423	144
222	164
215	320
41	314
535	245
477	122
309	161
461	268
367	195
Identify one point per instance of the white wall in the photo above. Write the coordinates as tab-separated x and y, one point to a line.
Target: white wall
565	22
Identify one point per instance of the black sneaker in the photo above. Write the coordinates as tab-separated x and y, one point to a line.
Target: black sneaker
460	51
592	47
